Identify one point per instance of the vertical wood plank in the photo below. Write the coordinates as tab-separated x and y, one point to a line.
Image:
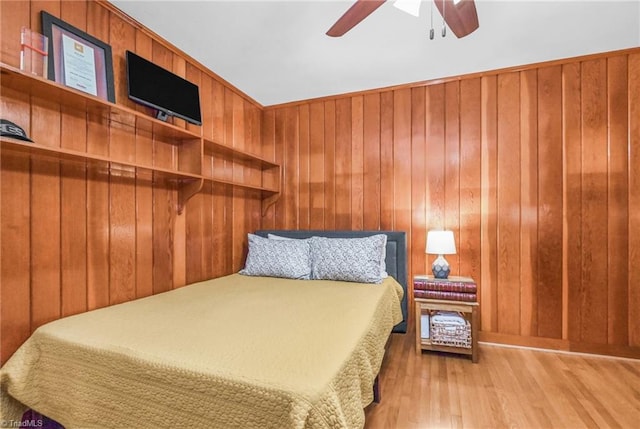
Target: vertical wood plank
98	137
121	33
304	167
372	171
435	162
452	168
634	198
238	217
73	240
549	273
253	204
418	180
122	191
572	211
529	201
97	234
316	165
617	201
164	198
122	238
330	164
593	326
206	259
386	162
144	193
45	242
343	164
74	13
402	164
219	192
193	215
508	203
357	163
292	183
435	152
268	151
279	143
73	194
179	251
227	167
470	178
208	232
98	23
488	196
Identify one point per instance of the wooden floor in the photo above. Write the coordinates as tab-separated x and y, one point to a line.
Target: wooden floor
508	387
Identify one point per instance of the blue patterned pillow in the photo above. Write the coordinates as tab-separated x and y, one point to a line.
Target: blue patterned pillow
348	259
278	258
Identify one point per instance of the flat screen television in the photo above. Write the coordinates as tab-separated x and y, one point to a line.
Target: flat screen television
158	88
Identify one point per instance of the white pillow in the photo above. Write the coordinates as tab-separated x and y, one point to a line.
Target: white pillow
383	265
348	259
278	258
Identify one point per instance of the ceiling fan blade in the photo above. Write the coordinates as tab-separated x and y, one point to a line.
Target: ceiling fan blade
352	17
461	17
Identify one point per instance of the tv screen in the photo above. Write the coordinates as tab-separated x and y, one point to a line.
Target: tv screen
153	86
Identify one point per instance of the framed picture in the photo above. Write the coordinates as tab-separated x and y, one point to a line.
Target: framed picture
78	60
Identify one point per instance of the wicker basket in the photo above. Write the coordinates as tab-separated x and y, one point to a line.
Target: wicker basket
450	329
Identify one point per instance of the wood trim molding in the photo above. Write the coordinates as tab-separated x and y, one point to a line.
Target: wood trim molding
560	345
458	77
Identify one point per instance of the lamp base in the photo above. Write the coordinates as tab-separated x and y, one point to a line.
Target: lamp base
440	268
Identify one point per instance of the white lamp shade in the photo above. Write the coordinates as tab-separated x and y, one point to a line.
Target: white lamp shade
441	243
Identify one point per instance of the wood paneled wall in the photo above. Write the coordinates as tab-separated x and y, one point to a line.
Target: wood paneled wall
536	171
77	238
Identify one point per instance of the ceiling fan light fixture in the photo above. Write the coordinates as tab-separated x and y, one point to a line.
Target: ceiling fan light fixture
411	7
462	20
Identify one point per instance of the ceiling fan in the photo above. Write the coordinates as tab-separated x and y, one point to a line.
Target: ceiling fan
460	15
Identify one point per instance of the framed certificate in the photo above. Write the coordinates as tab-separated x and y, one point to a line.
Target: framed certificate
78	60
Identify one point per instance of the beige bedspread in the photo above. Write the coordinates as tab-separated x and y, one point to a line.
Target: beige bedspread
235	352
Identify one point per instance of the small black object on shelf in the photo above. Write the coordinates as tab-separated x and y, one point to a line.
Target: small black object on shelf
9	129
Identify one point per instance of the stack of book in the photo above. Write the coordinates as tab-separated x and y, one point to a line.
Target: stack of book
451	289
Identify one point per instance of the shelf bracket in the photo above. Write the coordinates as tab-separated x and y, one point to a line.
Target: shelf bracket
268	202
187	191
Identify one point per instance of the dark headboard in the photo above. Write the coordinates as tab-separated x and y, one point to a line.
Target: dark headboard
396	255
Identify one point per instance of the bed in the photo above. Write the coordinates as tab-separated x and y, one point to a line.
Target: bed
237	351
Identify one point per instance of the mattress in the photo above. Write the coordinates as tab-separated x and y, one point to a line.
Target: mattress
234	352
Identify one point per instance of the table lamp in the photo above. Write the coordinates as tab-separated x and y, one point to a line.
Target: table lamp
440	243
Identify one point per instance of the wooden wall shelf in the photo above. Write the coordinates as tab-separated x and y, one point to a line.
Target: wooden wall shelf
192	147
212	147
35	86
10	145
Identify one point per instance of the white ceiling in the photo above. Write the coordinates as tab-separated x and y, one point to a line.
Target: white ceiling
277	51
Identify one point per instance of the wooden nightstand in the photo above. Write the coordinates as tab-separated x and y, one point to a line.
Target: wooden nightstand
428	307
